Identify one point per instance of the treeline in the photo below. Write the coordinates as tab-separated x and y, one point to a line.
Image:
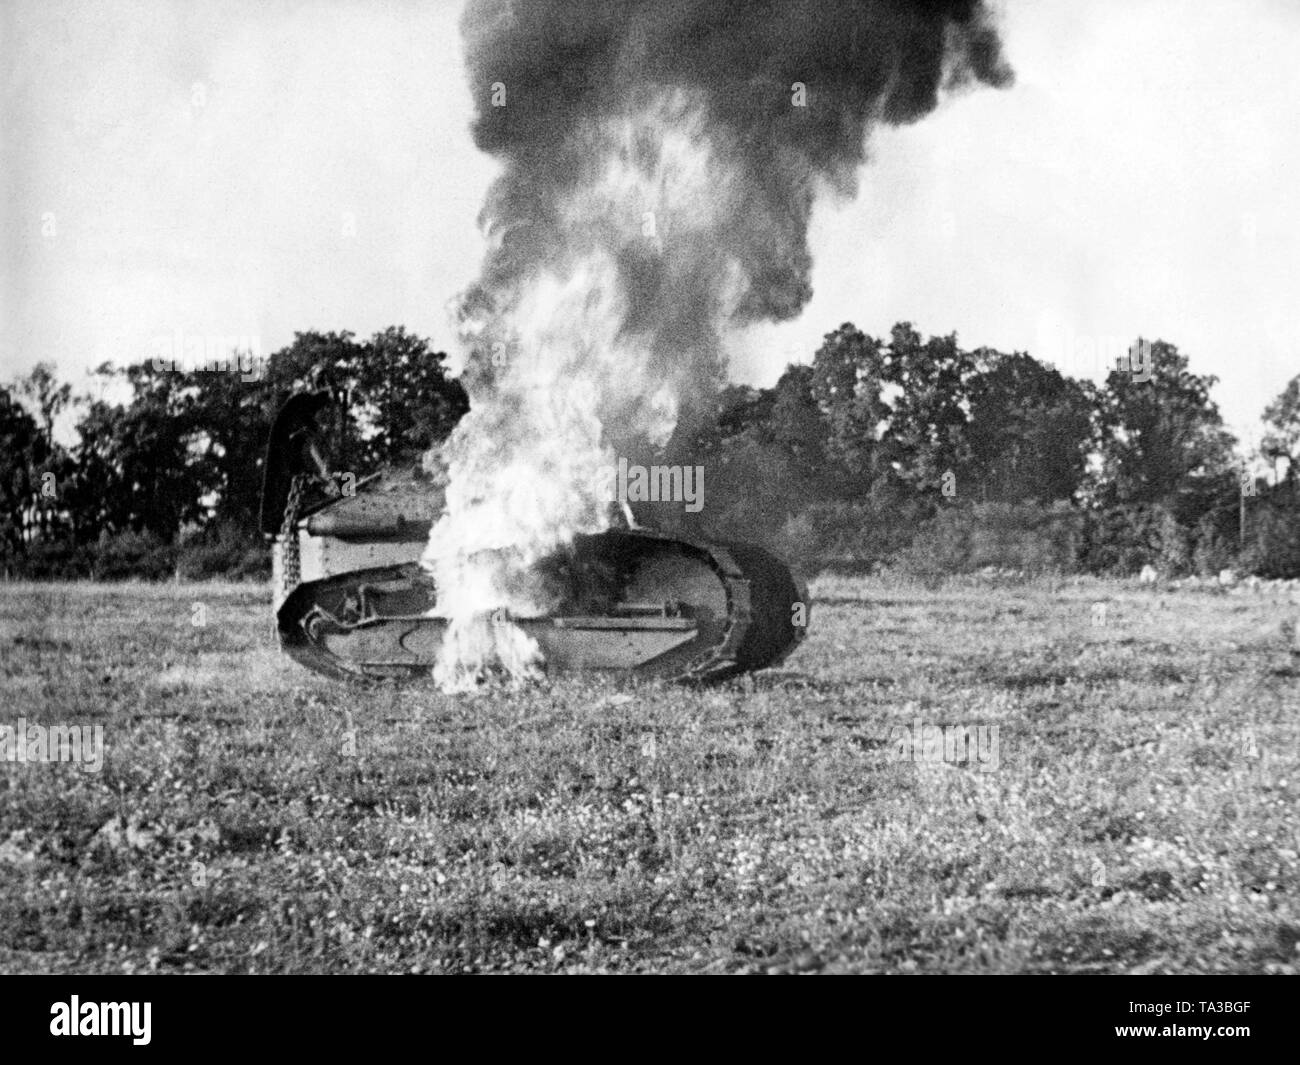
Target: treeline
905	451
912	452
166	480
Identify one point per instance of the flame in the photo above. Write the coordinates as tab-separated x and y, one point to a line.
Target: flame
565	365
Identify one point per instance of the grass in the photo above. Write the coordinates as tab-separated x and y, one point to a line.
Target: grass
251	817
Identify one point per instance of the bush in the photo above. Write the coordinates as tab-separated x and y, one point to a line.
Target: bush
1028	537
1273	544
224	552
1119	541
49	560
848	537
1175	550
138	555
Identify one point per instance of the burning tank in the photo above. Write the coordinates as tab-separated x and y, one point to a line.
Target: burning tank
352	602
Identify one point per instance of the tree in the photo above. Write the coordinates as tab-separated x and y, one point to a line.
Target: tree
23	450
46	461
1282	439
49	396
140	466
209	429
926	431
795	426
1162	439
395	399
846	380
406	398
1029	432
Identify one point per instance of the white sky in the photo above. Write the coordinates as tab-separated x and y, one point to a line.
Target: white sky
1139	178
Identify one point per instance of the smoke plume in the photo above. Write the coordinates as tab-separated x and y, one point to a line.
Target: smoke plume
660	163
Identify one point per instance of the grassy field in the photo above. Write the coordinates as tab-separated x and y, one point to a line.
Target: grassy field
1138	811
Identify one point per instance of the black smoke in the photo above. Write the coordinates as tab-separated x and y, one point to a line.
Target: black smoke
567	65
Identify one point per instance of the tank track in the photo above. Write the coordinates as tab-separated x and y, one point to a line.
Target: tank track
391	604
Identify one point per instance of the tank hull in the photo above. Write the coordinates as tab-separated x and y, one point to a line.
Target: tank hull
351	601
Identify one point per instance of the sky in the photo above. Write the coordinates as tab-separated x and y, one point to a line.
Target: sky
252	169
